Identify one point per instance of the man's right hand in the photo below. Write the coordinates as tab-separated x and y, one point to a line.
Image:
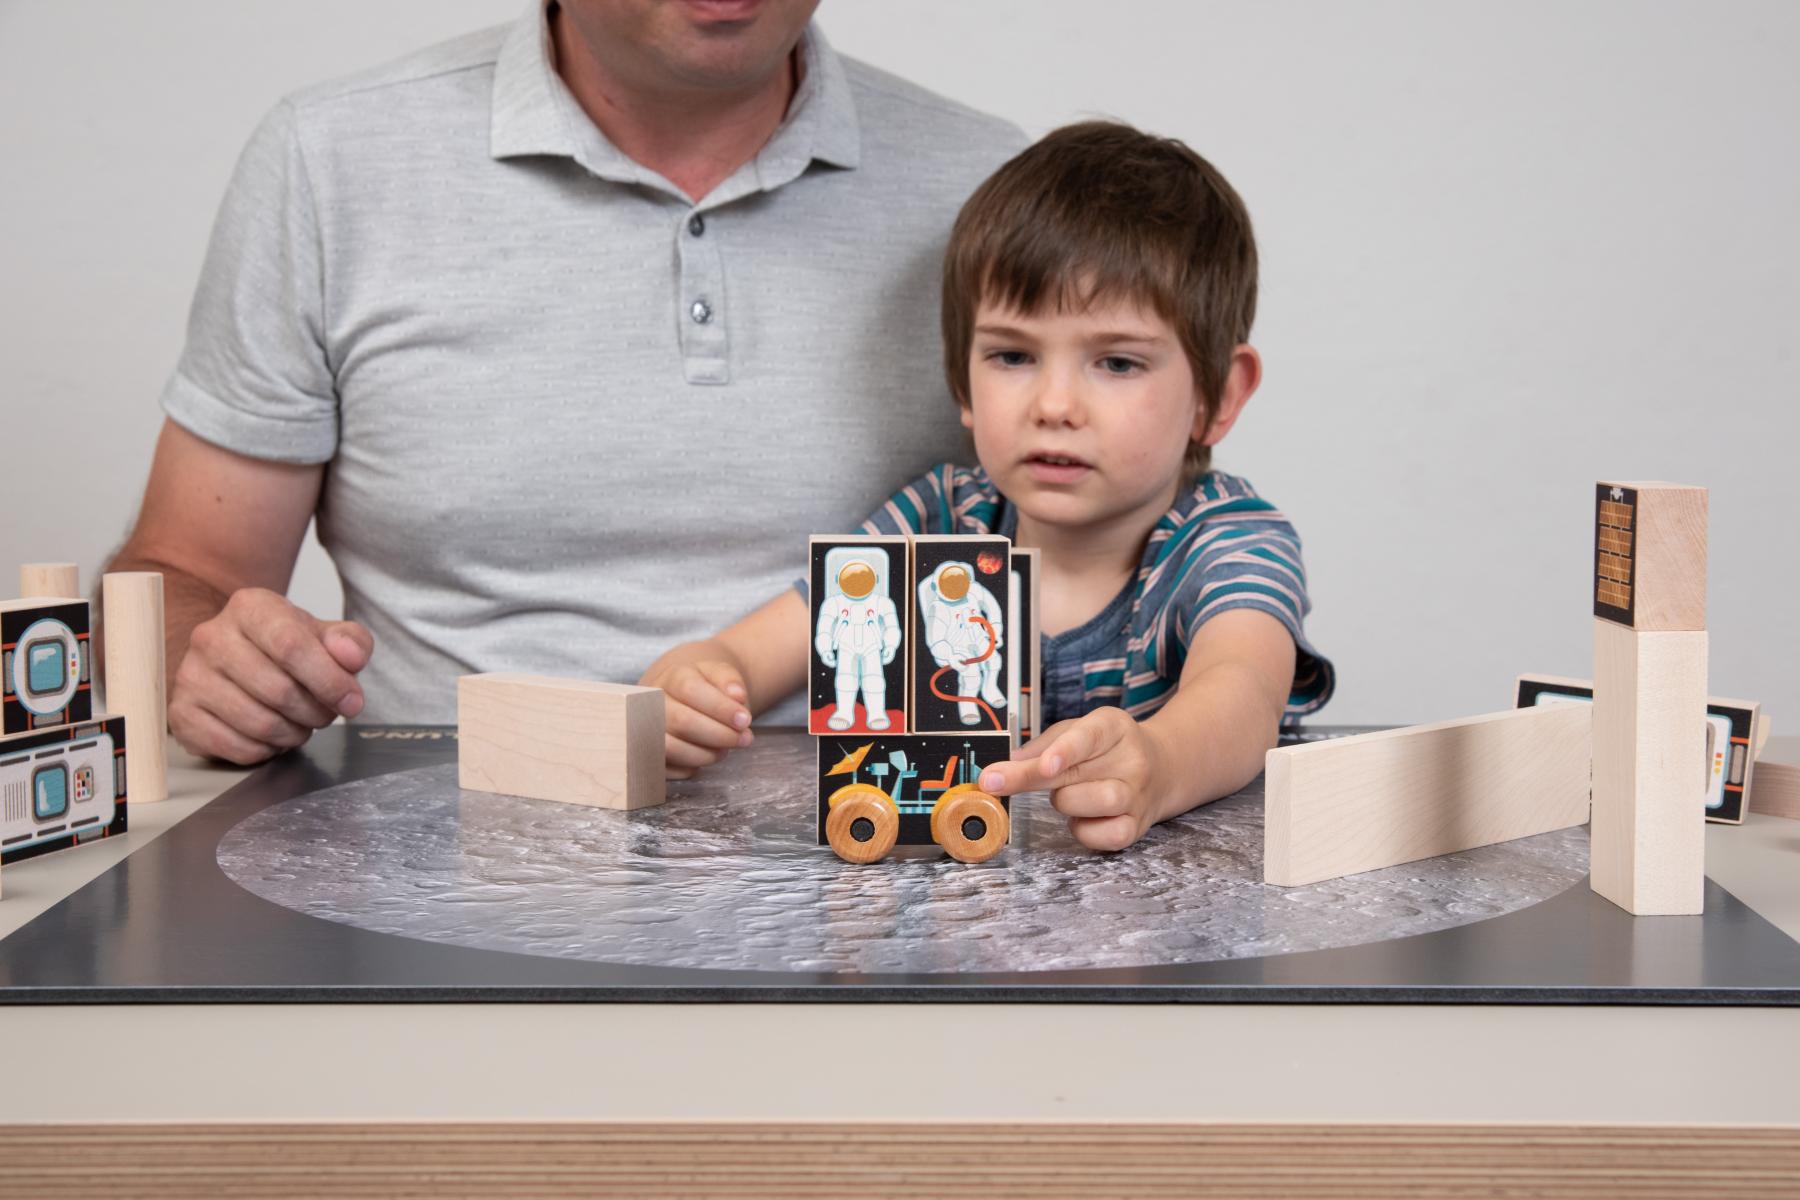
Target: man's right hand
262	675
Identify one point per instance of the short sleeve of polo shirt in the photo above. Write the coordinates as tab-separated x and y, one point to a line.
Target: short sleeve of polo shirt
254	376
1238	551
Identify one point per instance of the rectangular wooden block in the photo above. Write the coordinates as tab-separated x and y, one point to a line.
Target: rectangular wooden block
573	740
1361	803
1648	844
1777	790
61	786
1650	555
860	598
958	631
46	663
1735	731
912	770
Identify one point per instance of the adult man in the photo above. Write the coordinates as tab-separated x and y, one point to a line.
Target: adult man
549	326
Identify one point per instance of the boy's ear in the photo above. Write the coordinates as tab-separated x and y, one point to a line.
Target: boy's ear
968	415
1240	382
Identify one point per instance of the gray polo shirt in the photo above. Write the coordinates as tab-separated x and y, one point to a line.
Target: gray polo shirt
570	417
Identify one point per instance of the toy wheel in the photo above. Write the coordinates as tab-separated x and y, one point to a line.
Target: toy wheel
862	823
971	826
937	808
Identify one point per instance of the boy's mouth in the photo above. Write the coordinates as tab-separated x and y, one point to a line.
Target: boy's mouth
1045	467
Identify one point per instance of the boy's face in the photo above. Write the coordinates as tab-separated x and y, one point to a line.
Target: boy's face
1082	418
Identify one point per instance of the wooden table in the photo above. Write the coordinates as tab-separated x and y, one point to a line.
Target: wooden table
995	1100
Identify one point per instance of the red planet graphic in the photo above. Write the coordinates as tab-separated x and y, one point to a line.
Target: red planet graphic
988	562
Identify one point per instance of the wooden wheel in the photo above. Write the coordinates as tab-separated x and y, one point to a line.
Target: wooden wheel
969	824
862	823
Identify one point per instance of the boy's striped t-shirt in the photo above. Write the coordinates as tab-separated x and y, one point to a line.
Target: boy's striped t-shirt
1219	547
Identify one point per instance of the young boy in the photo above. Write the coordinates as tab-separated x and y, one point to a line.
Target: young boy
1098	296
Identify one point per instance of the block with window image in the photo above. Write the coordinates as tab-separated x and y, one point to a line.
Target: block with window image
46	663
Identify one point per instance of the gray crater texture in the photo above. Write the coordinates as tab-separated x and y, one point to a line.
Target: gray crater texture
726	875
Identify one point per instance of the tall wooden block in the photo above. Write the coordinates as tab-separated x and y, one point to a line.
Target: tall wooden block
131	607
1355	804
1024	670
1648	843
1650	555
572	740
38	580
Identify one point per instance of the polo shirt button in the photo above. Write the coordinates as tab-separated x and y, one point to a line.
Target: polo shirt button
696	224
701	312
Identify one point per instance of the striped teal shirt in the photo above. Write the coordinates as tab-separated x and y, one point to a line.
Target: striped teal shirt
1220	547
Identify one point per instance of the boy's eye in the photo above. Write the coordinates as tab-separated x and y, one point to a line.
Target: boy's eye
1118	364
1009	358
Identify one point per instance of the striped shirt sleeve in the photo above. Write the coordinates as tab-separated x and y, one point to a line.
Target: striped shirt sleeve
1244	554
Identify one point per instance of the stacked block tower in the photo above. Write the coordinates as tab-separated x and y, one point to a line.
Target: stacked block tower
923	673
1648	836
63	770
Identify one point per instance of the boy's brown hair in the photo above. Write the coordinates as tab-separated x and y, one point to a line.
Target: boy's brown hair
1100	211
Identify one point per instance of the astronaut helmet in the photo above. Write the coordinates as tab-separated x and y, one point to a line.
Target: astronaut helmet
952	581
856	579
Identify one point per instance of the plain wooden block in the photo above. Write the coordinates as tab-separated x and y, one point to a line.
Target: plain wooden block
38	580
1648	844
572	740
1355	804
131	607
1776	790
1650	555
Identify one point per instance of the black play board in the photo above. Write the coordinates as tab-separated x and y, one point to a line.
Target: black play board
167	925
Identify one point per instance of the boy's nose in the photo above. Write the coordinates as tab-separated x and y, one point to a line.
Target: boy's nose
1058	401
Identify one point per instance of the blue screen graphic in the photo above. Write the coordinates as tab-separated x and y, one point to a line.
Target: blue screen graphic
45	672
50	792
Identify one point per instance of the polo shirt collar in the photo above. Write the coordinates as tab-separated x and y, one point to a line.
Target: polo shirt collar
535	113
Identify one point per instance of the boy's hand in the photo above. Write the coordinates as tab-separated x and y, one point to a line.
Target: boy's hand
1104	771
705	706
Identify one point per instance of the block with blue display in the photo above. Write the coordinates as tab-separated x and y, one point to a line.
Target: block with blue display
61	786
46	674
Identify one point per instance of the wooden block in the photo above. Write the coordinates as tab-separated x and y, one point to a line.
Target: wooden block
914	771
131	607
572	740
1376	800
857	678
46	663
1024	666
1648	844
1776	791
38	580
61	786
958	632
1732	726
1650	555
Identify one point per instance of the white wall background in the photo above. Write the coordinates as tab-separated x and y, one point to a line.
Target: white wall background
1508	250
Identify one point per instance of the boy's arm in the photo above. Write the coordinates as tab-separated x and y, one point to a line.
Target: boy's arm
712	686
1226	712
1115	777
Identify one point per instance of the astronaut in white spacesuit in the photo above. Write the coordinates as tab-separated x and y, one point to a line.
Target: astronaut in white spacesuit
858	633
953	607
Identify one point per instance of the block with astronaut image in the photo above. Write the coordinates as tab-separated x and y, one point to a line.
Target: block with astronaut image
857	677
961	588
